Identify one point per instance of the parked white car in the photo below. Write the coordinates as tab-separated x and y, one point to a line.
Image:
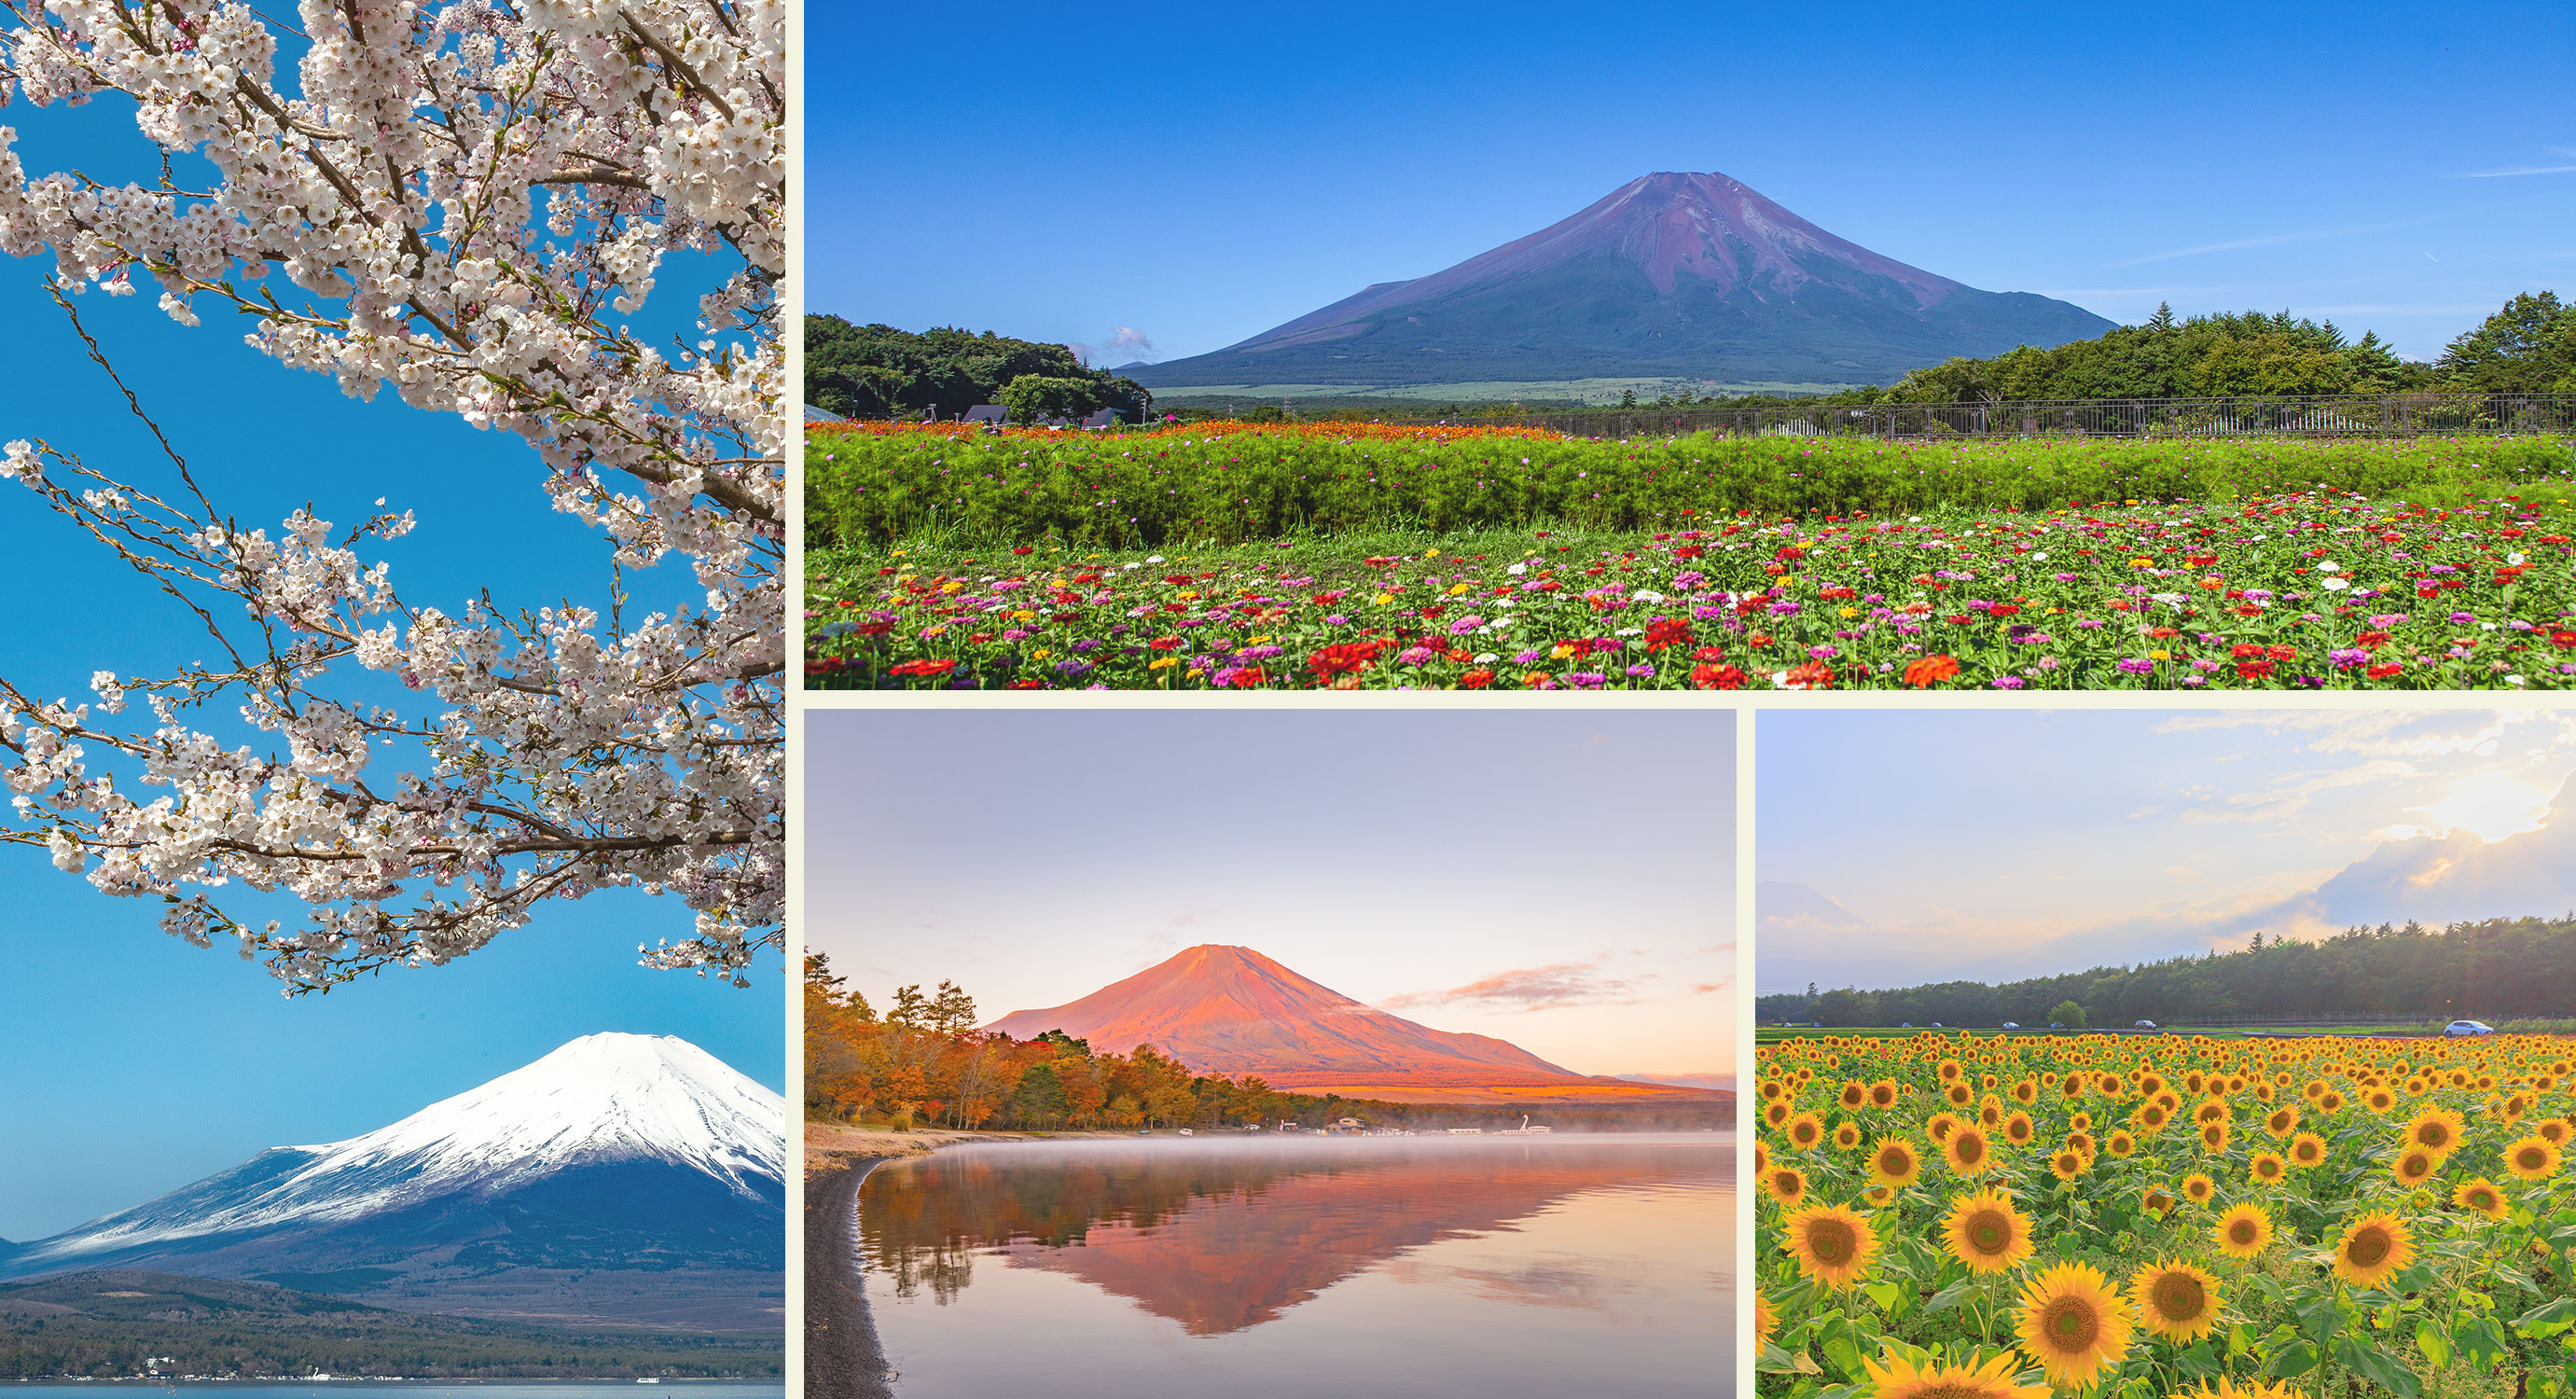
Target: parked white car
2462	1029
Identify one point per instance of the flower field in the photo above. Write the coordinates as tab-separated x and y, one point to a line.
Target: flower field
2313	588
2143	1216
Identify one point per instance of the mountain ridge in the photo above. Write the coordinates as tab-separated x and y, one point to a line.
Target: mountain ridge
1673	273
1227	1009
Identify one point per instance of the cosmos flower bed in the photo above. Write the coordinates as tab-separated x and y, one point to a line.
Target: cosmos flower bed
2322	589
2143	1216
1206	486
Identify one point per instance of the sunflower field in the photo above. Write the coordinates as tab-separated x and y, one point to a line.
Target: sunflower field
2150	1215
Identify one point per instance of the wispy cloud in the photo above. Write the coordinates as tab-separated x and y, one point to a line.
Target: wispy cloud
2511	171
1530	988
2269	241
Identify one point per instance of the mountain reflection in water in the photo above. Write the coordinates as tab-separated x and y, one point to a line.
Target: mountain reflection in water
1224	1236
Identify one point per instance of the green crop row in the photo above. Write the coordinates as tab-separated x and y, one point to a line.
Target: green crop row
1150	491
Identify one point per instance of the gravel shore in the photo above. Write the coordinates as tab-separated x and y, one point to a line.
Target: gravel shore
842	1357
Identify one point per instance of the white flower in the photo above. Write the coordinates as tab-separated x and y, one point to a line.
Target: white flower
1150	558
2513	558
1646	595
2329	566
2336	585
2040	557
1516	570
1485	658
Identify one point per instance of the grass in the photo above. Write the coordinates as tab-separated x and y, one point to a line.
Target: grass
1776	1034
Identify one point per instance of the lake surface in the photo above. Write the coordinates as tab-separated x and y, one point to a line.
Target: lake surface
1426	1266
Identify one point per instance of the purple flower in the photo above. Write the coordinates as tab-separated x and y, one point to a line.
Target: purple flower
1259	653
1784	609
1586	679
1708	614
1822	653
1692	579
2133	665
2462	619
2195	681
2007	682
2382	621
1419	655
1465	624
2348	657
1072	669
1642	671
1337	620
1530	657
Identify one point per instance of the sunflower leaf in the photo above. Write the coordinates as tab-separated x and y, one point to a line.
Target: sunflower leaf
2293	1359
2547	1320
1953	1295
2434	1342
2377	1365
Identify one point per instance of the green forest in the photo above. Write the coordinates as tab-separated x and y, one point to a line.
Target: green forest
2497	970
124	1324
877	371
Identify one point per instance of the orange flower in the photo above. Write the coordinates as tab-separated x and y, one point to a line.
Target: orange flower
1930	671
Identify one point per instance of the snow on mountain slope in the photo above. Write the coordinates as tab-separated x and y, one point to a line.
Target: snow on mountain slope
600	1099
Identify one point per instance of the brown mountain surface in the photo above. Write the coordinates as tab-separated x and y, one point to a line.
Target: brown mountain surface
1231	1010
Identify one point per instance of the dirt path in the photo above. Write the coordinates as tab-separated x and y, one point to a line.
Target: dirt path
842	1357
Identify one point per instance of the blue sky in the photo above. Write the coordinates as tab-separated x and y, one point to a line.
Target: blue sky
136	1062
1561	879
1201	173
1899	847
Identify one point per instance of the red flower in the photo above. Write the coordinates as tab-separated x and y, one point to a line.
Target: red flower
1814	675
1026	685
2284	653
2384	670
1023	549
941	667
2253	670
2373	640
1165	643
1708	653
1475	680
1930	671
1349	658
2003	609
1716	677
1667	631
2244	649
2563	639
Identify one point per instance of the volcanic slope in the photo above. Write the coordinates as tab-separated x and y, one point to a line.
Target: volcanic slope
626	1180
1231	1010
1672	274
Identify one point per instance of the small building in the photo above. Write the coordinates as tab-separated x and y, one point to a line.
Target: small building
1348	1124
988	414
1105	418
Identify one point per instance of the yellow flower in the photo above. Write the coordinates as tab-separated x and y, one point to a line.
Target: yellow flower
1383	599
1848	611
1430	553
2179	1302
1831	1243
1022	615
2073	1324
2243	1232
1894	1161
1560	652
951	586
2480	1195
1985	1232
1457	588
1159	662
1040	654
1187	595
2160	654
2142	563
2376	1246
1258	640
1899	1379
2532	1158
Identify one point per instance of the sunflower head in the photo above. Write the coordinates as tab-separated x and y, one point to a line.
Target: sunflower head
1786	1184
2157	1201
2121	1144
2555	1130
2198	1188
1967	1152
2018	1129
2480	1195
1846	1136
2532	1158
1882	1094
1806	1130
2414	1166
1985	1232
2213	1138
1898	1378
1831	1243
1765	1320
2372	1248
2282	1122
2073	1324
1853	1095
2307	1149
2178	1301
2268	1167
2244	1231
2068	1163
1895	1161
2436	1130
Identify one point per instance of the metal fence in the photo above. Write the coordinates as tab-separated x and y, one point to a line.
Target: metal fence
2316	415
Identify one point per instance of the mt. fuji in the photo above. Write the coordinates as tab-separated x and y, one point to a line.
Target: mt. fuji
621	1178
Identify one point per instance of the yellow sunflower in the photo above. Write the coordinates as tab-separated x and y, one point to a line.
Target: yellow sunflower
1853	1095
2480	1195
2179	1302
2198	1188
1805	1131
2243	1232
2282	1122
1882	1094
1985	1232
1831	1243
2018	1129
2227	1388
2414	1166
2532	1158
2157	1201
2121	1144
2307	1149
1879	1195
1761	1158
1786	1184
2267	1167
2437	1130
1899	1379
2376	1246
2068	1163
1895	1162
1939	1126
1966	1151
1846	1136
1765	1320
2073	1324
2213	1138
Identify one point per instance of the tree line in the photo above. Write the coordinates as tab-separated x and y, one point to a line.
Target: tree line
922	1062
2496	969
877	371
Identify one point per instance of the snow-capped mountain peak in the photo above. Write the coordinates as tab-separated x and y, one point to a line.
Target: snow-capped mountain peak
601	1099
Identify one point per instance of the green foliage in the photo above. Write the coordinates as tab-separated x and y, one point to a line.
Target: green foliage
877	371
1092	491
2527	347
2203	356
2517	973
104	1325
1034	398
2068	1014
